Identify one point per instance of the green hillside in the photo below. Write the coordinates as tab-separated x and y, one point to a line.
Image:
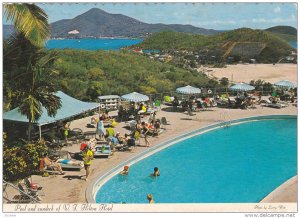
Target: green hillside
88	74
287	30
286	33
267	47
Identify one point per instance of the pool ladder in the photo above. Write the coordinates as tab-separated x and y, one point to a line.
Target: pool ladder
225	120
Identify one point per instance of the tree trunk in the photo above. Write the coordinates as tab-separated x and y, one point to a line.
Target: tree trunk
29	130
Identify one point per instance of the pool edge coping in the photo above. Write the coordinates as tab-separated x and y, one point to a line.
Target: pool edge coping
102	178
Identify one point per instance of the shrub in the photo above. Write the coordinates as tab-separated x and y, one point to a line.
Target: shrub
20	162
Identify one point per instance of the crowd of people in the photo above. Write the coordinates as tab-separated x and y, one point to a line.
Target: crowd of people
144	128
138	129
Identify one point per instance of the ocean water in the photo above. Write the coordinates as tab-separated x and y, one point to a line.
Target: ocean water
293	44
91	44
103	44
239	164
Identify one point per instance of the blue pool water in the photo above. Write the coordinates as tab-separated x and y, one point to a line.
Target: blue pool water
91	44
239	164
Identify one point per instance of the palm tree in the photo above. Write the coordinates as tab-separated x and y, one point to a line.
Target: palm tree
26	67
27	74
30	20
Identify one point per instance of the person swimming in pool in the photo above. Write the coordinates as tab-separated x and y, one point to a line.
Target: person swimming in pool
150	198
156	172
125	171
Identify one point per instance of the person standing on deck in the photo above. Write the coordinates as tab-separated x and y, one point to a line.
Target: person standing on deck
87	158
100	129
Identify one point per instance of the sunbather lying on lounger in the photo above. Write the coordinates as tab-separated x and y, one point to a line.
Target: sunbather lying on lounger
70	162
52	164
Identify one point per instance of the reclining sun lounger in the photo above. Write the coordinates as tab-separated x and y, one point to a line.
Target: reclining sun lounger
274	105
267	103
102	151
67	164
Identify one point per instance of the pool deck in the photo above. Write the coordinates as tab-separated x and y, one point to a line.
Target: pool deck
287	192
71	188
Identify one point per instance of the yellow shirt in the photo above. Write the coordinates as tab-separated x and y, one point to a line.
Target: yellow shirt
144	109
87	157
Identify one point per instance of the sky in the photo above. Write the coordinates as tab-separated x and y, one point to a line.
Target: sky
219	16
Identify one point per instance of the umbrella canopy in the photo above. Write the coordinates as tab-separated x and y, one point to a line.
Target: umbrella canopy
188	90
69	107
285	84
135	97
241	87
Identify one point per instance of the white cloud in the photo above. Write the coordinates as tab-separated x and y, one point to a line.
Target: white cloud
277	9
274	20
217	22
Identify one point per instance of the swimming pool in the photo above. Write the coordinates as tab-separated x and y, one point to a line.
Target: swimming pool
239	164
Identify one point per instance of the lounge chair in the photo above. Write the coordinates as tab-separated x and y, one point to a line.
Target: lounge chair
75	135
222	101
19	199
267	103
89	134
69	164
33	186
190	114
164	123
128	146
102	151
22	197
26	195
50	169
130	143
168	100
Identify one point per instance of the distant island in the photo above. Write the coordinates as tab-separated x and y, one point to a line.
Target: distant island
96	23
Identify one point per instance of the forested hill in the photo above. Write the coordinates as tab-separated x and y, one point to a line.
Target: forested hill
98	23
287	33
88	74
283	30
244	42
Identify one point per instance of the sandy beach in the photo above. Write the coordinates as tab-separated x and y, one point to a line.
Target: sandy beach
71	188
247	72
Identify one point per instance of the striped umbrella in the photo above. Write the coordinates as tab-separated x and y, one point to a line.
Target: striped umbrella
135	97
188	90
241	87
285	84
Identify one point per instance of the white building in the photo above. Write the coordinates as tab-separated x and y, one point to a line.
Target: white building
73	32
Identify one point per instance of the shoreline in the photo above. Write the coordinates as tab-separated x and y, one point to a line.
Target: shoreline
112	38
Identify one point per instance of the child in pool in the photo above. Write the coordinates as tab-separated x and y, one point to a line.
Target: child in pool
156	172
150	198
125	170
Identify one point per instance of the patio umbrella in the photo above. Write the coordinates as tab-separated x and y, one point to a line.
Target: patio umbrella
135	97
285	84
188	90
241	87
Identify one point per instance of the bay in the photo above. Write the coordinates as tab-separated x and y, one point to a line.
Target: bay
91	44
293	44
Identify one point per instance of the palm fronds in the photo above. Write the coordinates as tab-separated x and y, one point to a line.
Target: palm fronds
30	20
